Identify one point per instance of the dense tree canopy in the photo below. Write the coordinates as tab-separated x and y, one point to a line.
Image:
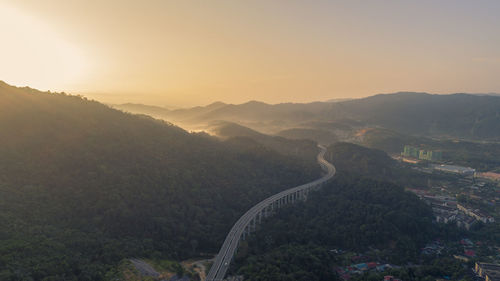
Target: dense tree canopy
351	213
83	186
373	163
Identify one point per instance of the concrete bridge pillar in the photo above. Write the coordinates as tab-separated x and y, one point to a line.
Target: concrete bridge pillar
245	232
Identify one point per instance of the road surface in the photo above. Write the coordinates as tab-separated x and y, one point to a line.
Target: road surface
248	221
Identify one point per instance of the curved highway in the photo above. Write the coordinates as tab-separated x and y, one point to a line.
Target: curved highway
248	221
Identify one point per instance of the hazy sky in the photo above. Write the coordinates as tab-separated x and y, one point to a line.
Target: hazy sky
195	52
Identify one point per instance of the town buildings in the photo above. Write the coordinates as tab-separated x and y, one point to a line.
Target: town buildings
489	175
415	152
488	271
447	210
475	213
465	171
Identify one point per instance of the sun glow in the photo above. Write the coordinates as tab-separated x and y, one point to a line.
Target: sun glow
31	53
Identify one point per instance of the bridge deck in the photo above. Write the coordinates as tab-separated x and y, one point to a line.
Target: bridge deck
228	249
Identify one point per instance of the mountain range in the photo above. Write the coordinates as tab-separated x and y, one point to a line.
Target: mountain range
456	115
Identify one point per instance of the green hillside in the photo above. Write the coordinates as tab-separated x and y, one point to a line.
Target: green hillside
305	150
83	186
350	213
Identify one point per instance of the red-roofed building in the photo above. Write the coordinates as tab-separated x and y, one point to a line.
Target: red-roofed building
470	253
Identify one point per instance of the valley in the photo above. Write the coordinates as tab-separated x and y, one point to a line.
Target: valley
134	196
220	140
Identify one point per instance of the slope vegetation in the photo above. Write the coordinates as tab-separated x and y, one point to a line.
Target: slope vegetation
305	150
83	186
455	115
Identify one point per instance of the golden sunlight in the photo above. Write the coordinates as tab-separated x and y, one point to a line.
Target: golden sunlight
32	51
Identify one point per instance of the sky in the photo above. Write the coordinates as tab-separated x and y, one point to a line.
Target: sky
185	53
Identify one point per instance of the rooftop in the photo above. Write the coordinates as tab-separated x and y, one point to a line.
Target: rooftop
492	270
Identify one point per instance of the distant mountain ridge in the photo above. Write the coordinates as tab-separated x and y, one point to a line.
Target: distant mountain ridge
300	148
454	115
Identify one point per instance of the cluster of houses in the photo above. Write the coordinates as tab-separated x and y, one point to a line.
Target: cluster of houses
433	248
489	175
487	271
469	248
475	213
346	272
436	248
446	209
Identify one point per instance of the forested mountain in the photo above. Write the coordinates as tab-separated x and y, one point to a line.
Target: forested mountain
462	115
83	186
363	209
301	148
321	136
350	213
456	115
175	114
259	111
483	156
373	163
256	115
151	110
353	158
